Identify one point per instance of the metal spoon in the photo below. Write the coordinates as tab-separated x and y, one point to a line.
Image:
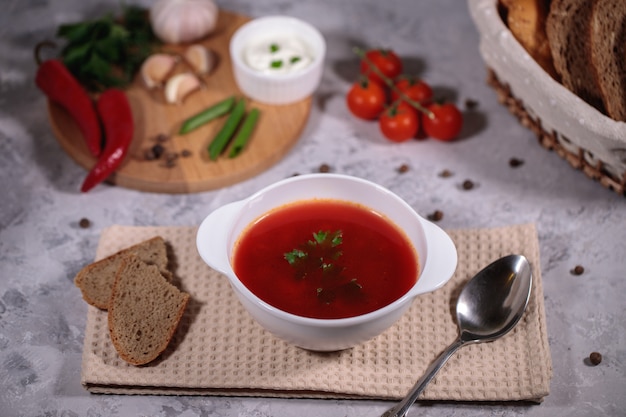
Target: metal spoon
488	307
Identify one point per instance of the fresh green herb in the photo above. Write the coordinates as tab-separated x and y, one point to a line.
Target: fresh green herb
318	259
294	256
322	247
107	52
295	59
276	64
327	238
274	48
326	241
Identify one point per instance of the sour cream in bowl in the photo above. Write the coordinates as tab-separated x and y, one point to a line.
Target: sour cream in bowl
277	59
278	55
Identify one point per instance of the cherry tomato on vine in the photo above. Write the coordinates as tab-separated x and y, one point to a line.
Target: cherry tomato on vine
366	99
415	89
446	122
399	123
385	60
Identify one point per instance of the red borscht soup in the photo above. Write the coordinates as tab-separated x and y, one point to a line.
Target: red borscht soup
325	259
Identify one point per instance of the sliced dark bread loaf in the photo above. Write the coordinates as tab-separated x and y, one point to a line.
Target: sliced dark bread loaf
96	280
568	29
608	54
144	311
527	21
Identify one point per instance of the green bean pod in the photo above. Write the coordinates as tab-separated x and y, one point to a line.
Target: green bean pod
223	136
207	115
244	133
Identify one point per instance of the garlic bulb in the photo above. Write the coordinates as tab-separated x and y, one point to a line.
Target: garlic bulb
182	21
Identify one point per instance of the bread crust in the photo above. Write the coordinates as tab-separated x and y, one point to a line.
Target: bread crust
526	19
95	280
608	54
568	28
136	311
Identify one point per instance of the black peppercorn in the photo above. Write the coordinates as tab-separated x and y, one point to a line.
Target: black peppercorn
158	150
468	185
471	104
170	159
435	216
595	358
445	173
161	137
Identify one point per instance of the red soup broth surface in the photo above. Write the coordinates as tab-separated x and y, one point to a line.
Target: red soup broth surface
362	263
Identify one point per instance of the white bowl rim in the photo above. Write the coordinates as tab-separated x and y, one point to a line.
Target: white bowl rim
397	304
250	25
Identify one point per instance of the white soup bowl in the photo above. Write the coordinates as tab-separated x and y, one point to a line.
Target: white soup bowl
220	230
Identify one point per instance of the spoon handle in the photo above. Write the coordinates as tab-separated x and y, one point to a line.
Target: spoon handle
403	406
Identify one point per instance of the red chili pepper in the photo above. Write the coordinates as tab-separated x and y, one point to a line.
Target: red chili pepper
117	119
60	86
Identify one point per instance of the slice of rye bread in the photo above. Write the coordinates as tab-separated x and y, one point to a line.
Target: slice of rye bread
568	28
526	20
96	280
608	54
144	311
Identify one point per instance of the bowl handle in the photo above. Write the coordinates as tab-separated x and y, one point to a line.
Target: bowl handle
440	263
212	239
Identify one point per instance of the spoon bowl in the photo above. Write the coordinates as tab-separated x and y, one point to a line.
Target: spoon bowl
489	306
492	303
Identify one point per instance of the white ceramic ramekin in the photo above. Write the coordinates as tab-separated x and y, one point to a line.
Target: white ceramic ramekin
220	230
281	88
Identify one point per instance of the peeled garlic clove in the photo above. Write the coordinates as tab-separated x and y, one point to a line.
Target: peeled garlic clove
180	86
199	58
156	68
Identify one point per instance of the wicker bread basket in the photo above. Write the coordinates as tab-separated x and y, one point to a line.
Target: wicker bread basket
580	134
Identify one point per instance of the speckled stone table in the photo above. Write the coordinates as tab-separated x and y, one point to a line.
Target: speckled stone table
42	246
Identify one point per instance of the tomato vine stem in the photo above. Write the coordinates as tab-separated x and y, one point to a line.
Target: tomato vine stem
361	54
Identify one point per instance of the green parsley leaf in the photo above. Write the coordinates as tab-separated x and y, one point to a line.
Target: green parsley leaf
295	59
277	64
320	236
294	256
109	49
75	32
337	239
107	52
320	254
274	48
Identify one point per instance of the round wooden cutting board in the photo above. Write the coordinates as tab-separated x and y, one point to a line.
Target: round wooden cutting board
277	130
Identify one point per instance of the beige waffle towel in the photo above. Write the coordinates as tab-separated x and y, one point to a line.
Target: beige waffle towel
218	348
